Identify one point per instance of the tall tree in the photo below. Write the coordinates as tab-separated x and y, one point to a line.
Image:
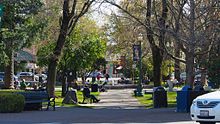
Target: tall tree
18	30
156	38
73	10
193	30
82	49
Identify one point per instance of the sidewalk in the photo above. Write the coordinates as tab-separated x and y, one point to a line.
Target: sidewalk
117	99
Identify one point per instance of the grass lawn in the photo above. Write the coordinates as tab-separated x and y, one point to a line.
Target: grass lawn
147	101
59	99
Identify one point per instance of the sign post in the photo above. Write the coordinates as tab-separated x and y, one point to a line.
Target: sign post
137	54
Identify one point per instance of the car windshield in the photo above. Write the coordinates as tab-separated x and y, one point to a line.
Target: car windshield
25	74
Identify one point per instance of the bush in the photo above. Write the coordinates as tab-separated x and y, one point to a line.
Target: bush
11	102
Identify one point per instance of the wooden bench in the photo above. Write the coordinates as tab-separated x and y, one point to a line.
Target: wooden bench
38	97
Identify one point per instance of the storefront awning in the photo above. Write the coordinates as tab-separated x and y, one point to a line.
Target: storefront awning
24	56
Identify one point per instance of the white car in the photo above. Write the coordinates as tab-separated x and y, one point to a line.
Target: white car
36	78
205	109
44	76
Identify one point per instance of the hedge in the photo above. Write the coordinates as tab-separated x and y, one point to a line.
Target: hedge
11	102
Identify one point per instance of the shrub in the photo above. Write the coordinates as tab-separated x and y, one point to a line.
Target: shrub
11	102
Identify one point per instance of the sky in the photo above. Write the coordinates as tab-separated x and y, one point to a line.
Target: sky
101	12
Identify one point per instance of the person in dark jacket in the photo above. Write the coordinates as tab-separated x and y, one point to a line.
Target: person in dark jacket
86	94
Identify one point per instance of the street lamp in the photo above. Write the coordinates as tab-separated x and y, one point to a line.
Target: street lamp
139	86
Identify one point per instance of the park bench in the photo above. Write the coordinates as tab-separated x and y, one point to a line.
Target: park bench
38	98
149	92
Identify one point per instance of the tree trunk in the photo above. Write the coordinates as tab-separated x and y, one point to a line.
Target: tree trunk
54	60
57	52
157	63
64	84
177	62
191	48
190	68
203	78
157	58
9	68
51	79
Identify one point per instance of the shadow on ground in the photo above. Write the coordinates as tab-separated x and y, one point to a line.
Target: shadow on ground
98	115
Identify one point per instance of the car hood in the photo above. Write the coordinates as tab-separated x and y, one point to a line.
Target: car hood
210	96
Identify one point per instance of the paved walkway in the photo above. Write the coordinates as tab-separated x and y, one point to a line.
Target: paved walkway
117	99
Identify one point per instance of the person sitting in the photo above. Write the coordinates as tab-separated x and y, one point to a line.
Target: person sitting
102	88
86	94
23	85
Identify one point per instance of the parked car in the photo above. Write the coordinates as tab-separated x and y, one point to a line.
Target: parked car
205	109
2	76
44	76
26	74
95	74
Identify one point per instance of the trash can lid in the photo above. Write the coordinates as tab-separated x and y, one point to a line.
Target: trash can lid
199	88
159	88
186	88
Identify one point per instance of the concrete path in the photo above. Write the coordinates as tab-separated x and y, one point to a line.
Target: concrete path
117	99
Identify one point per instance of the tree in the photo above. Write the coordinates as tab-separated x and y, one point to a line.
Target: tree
192	28
214	65
19	29
155	32
73	10
83	48
189	23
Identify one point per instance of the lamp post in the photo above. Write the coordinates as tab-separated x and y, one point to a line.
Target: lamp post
139	86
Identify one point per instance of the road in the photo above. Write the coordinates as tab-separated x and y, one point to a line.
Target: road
88	115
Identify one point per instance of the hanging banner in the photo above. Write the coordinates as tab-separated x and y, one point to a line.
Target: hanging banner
136	52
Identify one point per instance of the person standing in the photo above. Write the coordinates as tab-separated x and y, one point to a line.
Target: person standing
98	77
106	77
